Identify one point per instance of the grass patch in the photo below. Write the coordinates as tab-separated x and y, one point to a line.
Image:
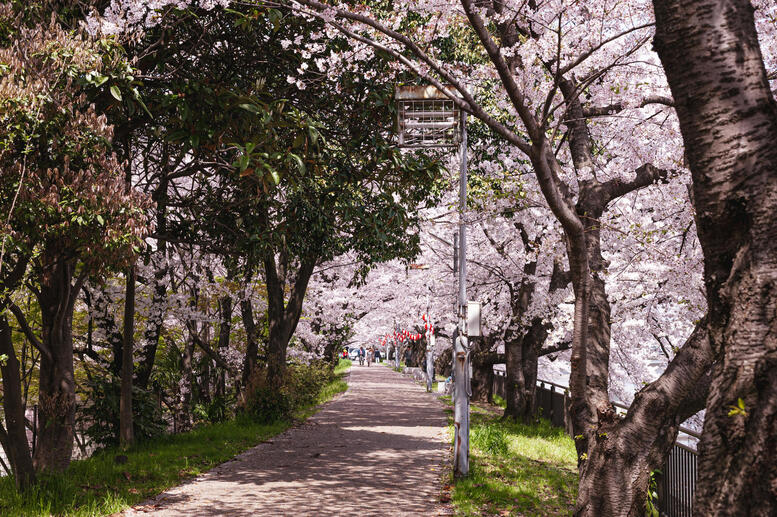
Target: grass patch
516	469
100	486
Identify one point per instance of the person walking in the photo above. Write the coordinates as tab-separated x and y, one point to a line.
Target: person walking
362	353
370	355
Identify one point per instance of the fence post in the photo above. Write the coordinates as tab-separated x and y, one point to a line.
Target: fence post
552	412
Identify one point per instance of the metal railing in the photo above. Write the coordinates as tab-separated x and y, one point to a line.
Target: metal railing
677	480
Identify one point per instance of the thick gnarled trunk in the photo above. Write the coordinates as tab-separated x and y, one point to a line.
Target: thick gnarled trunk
614	477
56	396
728	119
283	315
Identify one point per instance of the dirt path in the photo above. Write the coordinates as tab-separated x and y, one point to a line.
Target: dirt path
376	450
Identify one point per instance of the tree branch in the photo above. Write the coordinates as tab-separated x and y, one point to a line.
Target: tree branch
647	174
468	103
27	331
212	354
508	81
603	111
558	347
588	53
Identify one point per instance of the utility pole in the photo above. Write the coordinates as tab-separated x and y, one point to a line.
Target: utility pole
428	117
397	338
430	342
461	386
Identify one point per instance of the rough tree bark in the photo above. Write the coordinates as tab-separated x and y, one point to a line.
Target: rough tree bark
728	119
225	329
615	476
14	436
283	315
616	456
56	396
252	341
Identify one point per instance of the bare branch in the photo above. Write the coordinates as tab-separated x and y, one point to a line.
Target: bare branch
585	55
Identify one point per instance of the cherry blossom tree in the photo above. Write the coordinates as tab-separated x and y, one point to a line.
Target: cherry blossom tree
577	185
728	117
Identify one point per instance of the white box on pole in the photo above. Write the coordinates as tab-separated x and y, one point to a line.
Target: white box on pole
473	319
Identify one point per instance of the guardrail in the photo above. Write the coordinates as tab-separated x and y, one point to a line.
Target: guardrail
677	481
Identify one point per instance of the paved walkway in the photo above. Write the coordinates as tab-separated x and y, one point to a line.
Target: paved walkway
376	450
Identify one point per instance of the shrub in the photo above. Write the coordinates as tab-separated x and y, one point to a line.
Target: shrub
100	417
301	387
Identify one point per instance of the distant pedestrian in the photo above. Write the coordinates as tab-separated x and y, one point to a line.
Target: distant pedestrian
370	355
362	354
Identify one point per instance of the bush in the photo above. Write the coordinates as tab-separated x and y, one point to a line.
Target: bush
100	416
301	387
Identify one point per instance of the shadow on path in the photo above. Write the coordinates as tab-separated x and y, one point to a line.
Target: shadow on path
376	450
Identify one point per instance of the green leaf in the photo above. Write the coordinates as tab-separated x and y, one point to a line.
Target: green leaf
100	219
100	80
275	176
298	161
116	92
3	359
251	108
739	409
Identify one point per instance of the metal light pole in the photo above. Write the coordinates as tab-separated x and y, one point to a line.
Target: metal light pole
461	386
430	342
427	117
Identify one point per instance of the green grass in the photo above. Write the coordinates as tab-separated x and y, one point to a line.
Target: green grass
516	469
100	486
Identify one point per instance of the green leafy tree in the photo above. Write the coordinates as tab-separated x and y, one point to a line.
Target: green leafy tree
69	211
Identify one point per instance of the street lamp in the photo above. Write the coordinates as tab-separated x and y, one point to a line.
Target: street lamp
428	118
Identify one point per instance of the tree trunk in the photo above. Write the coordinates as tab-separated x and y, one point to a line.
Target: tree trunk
276	354
482	361
615	476
522	346
107	323
56	395
252	342
15	437
127	365
728	119
187	385
225	329
282	315
156	318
